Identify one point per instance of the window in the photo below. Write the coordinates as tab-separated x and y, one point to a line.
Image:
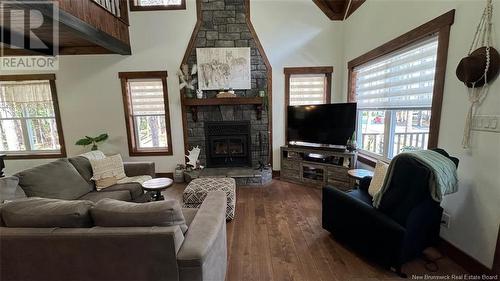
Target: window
152	5
145	99
308	85
399	92
30	125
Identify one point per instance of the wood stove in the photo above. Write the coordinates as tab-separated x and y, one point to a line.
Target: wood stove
228	144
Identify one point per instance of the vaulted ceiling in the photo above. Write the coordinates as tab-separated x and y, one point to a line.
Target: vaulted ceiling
338	9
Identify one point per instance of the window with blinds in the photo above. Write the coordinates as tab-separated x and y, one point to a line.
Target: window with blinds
29	122
151	5
307	89
394	96
147	114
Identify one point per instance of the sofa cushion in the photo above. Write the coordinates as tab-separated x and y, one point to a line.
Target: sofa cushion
95	196
134	188
107	171
82	165
58	179
43	212
378	178
10	190
113	213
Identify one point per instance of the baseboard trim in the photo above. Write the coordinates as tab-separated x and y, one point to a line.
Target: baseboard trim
164	175
461	258
276	174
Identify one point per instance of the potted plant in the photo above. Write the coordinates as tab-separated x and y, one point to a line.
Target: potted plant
92	140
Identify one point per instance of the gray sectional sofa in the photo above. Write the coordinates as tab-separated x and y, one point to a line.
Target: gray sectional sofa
70	179
83	251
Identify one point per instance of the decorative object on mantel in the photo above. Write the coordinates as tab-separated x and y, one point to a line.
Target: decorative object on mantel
224	68
479	68
265	100
227	94
199	94
194	153
2	165
187	79
92	140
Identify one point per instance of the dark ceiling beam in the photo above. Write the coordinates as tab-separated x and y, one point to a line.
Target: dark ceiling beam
338	10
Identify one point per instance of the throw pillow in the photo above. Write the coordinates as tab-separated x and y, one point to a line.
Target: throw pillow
107	171
10	190
114	213
58	179
378	178
44	212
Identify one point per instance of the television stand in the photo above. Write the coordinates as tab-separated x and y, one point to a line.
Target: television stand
317	166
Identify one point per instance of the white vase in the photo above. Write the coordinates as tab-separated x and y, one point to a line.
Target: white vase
199	94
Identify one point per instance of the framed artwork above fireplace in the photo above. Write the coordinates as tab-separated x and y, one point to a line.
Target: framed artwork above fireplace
223	68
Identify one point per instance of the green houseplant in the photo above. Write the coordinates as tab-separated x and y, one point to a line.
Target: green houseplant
92	140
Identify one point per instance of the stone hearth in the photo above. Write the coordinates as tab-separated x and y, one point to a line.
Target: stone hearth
243	176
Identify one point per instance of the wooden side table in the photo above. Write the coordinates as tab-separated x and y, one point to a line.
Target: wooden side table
358	174
157	186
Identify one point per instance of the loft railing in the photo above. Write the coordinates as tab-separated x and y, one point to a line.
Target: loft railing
374	142
118	8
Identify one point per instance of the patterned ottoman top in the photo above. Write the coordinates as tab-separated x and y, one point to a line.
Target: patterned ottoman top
197	189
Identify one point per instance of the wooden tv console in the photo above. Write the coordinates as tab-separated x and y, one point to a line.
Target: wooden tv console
317	167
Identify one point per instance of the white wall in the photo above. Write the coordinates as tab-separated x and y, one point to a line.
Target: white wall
89	90
296	33
475	213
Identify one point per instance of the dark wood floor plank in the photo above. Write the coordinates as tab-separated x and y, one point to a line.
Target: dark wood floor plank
277	235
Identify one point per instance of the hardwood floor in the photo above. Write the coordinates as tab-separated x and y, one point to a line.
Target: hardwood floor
277	235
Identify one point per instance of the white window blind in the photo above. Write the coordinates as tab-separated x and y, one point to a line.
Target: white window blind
158	2
27	118
147	107
404	79
307	89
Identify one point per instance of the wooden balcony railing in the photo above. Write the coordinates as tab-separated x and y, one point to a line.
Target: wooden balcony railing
374	142
118	8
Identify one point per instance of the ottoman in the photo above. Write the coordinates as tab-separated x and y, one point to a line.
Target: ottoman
197	190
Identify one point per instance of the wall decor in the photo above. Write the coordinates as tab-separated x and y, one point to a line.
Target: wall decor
223	68
479	69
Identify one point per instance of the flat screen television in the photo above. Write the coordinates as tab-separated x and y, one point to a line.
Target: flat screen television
329	125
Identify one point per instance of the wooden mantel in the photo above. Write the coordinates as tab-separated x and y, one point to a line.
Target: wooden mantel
194	103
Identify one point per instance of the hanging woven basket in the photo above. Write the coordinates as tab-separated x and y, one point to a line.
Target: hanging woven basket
470	70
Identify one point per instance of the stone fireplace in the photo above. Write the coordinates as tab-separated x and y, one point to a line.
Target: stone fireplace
226	23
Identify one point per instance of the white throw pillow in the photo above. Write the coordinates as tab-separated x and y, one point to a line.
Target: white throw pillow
107	171
378	178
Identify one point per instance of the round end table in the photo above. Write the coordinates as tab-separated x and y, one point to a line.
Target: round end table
157	186
358	174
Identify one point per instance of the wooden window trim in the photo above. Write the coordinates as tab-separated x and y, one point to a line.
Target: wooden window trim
441	26
327	70
132	148
136	8
55	102
289	71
